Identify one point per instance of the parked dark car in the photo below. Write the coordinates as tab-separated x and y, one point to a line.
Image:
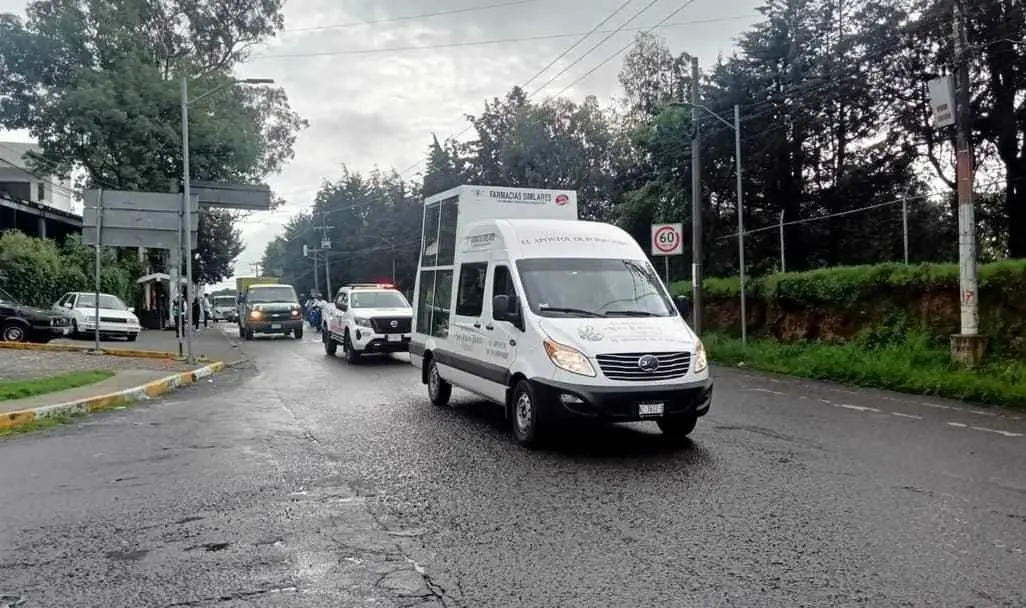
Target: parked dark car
20	323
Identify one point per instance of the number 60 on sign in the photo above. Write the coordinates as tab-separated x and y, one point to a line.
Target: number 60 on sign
667	239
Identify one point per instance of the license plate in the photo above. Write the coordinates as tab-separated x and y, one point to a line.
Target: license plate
395	337
276	326
650	408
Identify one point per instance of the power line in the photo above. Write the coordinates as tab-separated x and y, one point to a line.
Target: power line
455	11
662	23
623	49
579	41
495	41
897	201
596	46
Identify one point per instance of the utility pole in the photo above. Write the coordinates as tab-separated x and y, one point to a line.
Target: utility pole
255	268
325	248
968	346
696	203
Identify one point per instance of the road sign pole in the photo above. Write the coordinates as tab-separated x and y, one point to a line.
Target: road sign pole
666	268
187	201
97	284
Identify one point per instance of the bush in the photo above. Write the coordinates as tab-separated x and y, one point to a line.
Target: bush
38	271
914	365
840	304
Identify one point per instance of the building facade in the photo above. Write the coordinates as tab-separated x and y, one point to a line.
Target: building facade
38	205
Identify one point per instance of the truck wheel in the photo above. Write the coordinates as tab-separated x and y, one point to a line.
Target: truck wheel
439	391
298	333
526	413
330	346
352	355
677	429
247	334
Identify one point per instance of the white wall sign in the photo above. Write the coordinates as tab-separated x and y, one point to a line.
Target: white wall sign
942	101
667	239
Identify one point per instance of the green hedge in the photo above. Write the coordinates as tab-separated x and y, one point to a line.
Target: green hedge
845	303
38	271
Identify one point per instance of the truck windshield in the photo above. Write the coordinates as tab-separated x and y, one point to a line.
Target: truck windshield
220	301
268	295
377	299
587	287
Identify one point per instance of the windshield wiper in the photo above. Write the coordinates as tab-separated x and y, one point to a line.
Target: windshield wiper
576	311
631	313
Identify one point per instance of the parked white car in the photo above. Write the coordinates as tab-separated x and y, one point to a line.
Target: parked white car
116	319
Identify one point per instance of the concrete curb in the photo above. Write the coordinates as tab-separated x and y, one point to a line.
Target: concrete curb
150	390
114	352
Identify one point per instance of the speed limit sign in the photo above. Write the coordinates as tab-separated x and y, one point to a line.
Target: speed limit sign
667	239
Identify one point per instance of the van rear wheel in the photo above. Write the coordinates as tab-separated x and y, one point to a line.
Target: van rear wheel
439	391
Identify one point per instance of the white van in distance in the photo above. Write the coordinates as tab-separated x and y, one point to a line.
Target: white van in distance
550	317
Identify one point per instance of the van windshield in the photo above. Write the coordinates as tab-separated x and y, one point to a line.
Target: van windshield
587	287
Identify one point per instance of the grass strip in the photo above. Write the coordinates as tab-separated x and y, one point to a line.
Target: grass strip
20	389
914	366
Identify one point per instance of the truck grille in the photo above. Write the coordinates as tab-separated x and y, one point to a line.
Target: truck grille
626	366
112	320
383	325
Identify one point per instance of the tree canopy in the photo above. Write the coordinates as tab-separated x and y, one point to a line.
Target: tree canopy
835	134
97	83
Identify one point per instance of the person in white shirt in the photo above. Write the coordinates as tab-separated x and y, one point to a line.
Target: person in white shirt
325	307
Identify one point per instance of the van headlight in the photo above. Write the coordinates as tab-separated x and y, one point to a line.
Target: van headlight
568	359
700	359
362	322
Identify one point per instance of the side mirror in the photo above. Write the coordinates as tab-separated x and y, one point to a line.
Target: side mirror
339	305
683	306
131	309
506	308
500	308
66	305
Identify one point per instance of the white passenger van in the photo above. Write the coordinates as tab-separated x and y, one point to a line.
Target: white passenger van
550	317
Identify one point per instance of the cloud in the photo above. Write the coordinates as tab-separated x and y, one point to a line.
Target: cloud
369	106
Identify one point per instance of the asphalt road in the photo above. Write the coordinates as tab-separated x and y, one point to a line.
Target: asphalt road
309	482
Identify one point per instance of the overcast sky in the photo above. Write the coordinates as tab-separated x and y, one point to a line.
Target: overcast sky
371	104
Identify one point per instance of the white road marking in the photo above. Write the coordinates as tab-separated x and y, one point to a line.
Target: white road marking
934	405
998	431
960	425
766	390
858	408
981	413
907	416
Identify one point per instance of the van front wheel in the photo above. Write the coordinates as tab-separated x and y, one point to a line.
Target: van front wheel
438	389
525	414
677	429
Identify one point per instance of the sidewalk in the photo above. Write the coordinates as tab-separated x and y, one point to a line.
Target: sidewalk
146	368
209	342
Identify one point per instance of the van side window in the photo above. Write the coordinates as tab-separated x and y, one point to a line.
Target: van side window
502	284
470	297
433	302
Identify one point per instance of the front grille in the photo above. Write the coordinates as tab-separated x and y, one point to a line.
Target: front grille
383	325
278	316
112	320
625	366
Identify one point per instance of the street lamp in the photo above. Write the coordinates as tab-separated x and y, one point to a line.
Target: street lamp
187	193
736	126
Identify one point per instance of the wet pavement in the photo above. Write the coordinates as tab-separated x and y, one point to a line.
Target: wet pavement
299	480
